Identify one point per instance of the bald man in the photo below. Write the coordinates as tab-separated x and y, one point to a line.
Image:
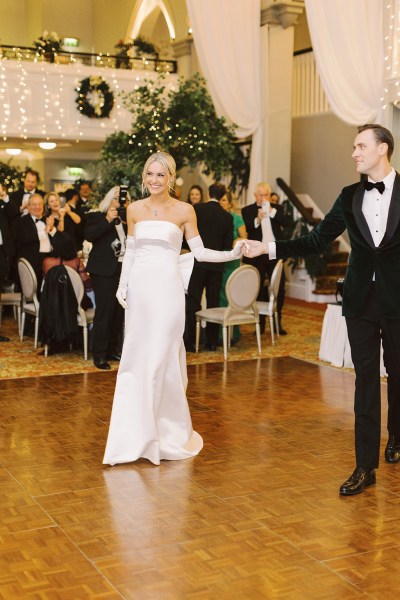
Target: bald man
264	222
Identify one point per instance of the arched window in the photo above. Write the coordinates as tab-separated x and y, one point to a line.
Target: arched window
143	10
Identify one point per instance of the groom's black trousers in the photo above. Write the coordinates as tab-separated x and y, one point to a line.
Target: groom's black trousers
365	334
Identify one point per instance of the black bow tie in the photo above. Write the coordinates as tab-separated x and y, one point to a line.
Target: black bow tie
36	219
379	185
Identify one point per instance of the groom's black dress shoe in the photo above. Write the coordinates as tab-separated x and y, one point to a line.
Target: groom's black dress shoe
102	364
357	482
392	450
4	339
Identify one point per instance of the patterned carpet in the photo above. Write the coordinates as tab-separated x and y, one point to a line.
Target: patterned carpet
302	321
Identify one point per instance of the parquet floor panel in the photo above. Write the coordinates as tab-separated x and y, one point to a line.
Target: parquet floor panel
256	515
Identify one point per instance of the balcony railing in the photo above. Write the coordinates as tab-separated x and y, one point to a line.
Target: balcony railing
103	60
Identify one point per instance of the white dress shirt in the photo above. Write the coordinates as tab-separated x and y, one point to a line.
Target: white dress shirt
375	209
266	227
44	240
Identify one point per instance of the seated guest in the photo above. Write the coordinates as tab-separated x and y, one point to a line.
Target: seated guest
37	237
20	199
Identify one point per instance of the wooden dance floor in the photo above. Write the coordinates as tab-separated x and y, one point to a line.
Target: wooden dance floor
256	515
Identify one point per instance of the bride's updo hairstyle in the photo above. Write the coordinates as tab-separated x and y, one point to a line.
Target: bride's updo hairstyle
169	165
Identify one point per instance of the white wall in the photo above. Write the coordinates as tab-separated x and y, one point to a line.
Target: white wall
321	163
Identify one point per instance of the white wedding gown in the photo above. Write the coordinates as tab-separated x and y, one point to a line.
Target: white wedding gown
150	415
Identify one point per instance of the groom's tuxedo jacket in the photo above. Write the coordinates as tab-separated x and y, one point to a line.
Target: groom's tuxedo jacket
365	258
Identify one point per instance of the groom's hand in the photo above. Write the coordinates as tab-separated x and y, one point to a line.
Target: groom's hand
255	248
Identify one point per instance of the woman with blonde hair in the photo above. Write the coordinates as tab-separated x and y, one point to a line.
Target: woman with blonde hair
150	416
53	207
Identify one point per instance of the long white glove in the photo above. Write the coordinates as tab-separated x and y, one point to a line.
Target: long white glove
127	263
206	255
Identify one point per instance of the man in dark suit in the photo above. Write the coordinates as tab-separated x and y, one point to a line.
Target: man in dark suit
20	200
83	207
20	197
7	211
265	221
216	230
37	237
370	211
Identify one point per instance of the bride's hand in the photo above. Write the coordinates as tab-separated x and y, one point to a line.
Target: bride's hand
121	295
239	248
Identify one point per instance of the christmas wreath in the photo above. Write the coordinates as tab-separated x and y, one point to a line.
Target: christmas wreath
95	99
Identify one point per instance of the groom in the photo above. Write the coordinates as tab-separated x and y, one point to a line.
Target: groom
370	211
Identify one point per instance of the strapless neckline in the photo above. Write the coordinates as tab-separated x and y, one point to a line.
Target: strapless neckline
160	221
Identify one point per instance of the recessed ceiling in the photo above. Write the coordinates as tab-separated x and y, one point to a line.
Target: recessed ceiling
64	149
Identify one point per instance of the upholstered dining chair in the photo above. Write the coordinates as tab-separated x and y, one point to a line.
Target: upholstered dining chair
84	317
241	290
30	302
269	309
13	299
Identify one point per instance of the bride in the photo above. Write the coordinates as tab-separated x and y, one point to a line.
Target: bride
150	415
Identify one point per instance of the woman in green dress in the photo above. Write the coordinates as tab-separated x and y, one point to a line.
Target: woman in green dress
239	232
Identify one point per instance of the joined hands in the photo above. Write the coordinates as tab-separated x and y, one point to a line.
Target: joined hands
254	248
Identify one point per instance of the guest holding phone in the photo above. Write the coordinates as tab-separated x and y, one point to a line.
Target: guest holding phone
105	229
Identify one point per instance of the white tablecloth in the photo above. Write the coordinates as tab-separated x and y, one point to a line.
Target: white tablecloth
334	347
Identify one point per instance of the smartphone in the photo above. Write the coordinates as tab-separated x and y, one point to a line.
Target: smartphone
265	206
62	201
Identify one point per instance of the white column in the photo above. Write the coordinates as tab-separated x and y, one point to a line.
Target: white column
277	44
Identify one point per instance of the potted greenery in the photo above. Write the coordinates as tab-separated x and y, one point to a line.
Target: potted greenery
182	122
137	48
47	44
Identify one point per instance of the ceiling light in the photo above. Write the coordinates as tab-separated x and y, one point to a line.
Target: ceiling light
47	145
13	151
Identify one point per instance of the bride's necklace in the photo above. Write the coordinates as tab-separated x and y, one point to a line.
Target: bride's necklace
156	210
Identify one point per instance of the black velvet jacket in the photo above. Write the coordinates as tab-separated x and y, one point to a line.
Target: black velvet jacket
365	258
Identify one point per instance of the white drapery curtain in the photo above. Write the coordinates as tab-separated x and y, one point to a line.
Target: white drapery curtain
348	43
227	40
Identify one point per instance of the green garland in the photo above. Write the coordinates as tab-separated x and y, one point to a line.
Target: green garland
95	99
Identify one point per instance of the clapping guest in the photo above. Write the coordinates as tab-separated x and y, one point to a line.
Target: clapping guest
52	207
105	230
37	237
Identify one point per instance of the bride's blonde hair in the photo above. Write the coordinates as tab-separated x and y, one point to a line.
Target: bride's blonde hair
169	165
